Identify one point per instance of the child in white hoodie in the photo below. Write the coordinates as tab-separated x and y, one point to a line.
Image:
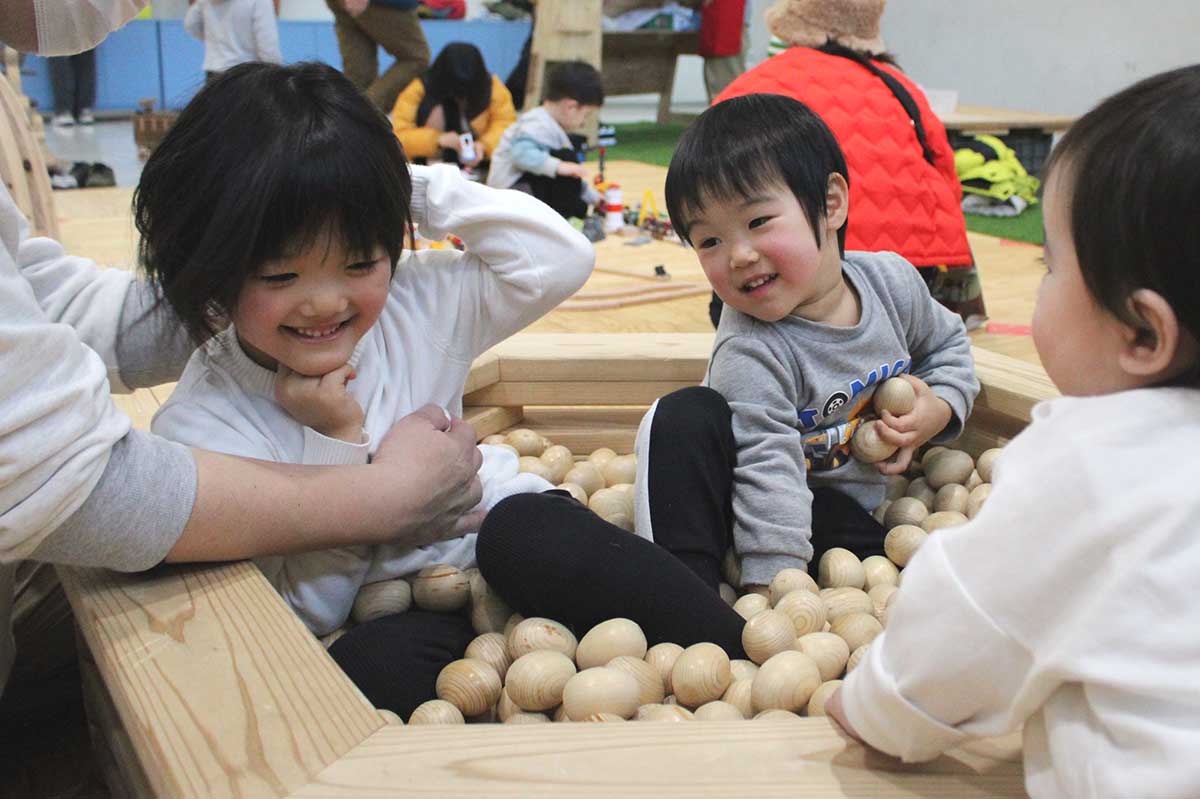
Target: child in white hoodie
234	32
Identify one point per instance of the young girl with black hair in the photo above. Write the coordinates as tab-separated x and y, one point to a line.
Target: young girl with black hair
1069	604
456	96
272	218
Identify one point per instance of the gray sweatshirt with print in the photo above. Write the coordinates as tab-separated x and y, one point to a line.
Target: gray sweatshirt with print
797	389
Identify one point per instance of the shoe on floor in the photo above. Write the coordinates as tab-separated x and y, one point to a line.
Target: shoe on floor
86	117
63	121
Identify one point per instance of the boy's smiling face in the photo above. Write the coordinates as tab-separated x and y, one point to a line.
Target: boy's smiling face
762	258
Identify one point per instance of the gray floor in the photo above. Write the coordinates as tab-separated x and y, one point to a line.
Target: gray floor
111	141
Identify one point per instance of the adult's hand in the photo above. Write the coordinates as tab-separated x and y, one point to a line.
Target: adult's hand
355	7
434	461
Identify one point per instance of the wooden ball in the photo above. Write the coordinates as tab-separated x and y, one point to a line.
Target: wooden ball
881	512
601	456
767	634
604	718
436	711
560	716
536	680
601	690
727	593
442	588
918	488
973	481
718	710
976	499
789	580
951	466
785	682
943	519
879	596
731	568
390	718
489	612
905	510
610	639
492	649
816	702
855	658
559	460
896	396
830	652
805	609
669	713
511	624
858	629
505	707
375	600
525	442
608	503
902	542
586	475
742	669
879	571
700	675
621	469
987	463
776	715
740	694
471	685
897	486
840	601
750	605
931	453
576	491
650	684
328	639
951	496
866	445
496	439
840	567
628	492
527	718
533	465
663	657
537	633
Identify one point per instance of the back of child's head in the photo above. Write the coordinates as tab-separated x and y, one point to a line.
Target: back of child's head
1130	171
263	163
743	145
575	80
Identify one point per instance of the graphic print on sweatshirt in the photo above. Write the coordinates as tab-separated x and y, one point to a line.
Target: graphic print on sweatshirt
828	447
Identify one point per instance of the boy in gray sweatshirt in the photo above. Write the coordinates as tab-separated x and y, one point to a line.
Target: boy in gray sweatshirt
759	187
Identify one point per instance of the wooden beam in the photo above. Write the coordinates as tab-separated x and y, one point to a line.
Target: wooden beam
491	419
583	430
1010	387
599	392
484	372
607	357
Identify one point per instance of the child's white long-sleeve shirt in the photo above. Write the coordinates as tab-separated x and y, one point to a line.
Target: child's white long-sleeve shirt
444	308
1068	604
234	32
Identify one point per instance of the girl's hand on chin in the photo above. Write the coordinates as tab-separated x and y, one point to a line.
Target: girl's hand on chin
322	403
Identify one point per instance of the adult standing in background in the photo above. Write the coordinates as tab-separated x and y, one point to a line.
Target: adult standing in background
362	26
724	39
73	83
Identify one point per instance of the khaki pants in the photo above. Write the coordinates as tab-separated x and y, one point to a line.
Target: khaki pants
720	71
398	32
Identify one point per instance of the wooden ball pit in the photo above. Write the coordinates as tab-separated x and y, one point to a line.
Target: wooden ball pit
199	680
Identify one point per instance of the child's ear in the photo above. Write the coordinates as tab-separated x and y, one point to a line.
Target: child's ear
1156	348
837	201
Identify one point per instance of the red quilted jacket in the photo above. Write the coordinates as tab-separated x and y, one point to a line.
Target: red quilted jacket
898	200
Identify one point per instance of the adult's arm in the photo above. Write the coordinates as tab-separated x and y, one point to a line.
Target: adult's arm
501	114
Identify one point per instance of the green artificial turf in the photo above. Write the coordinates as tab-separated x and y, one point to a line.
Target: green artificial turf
652	143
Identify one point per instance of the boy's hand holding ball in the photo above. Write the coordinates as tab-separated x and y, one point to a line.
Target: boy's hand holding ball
321	403
929	416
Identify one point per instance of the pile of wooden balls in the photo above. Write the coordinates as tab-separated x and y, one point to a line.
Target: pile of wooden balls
801	637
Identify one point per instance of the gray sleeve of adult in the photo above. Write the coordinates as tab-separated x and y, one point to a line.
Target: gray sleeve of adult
135	514
941	351
152	345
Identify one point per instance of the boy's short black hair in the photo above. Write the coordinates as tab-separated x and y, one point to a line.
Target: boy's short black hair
1131	169
575	80
744	144
260	164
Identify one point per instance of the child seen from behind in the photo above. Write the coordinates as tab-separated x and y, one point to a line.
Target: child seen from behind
1068	604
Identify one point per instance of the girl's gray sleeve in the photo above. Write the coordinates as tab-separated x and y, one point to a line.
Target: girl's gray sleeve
135	514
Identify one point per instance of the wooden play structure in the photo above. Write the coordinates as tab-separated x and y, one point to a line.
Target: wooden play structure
22	164
200	682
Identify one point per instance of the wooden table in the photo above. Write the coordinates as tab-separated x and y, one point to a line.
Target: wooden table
1001	121
636	62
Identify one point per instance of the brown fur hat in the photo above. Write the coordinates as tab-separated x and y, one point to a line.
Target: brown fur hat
811	23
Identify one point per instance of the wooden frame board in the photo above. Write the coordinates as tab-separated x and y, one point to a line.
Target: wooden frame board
205	684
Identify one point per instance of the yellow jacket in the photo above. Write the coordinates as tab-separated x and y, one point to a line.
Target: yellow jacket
422	142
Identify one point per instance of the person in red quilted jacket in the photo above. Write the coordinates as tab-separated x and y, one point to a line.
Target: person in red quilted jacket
905	195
